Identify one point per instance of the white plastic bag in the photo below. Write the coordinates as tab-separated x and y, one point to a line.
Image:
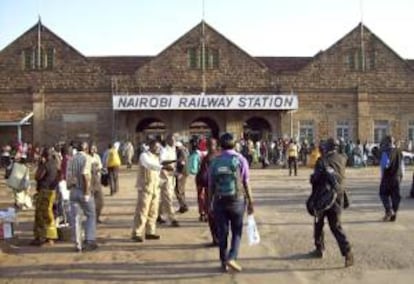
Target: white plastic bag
63	189
253	236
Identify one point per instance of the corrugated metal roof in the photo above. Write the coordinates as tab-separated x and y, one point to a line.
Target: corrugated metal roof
120	65
284	64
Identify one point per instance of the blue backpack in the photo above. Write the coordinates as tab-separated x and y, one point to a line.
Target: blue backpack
225	173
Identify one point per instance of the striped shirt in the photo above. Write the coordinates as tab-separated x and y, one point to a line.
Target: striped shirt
80	165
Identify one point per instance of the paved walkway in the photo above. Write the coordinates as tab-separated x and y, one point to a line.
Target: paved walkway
384	252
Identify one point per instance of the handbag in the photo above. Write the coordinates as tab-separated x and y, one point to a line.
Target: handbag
253	236
104	178
346	200
18	179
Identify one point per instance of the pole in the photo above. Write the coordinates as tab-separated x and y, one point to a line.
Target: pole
39	45
362	37
203	52
19	133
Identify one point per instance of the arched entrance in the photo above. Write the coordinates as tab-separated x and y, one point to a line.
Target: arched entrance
150	128
257	128
204	126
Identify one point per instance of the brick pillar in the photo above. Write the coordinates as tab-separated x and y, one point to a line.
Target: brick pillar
233	124
179	123
364	124
287	124
38	98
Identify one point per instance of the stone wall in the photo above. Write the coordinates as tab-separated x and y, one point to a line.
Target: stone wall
74	99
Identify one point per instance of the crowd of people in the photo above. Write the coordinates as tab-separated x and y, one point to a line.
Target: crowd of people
69	181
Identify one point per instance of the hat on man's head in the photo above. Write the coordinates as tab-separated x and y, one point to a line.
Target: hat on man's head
227	141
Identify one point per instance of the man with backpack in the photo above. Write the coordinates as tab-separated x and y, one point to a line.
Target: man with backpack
330	171
229	190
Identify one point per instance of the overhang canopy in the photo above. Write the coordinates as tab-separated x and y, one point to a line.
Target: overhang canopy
15	118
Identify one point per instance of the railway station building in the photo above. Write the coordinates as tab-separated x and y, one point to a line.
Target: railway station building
358	88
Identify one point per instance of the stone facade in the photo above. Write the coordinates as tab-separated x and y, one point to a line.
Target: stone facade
73	99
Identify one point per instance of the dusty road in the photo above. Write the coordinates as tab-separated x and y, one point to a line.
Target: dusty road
384	252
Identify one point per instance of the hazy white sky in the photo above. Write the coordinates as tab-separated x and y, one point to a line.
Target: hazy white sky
260	27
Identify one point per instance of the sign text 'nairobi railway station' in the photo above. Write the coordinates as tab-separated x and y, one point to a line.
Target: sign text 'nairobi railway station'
205	102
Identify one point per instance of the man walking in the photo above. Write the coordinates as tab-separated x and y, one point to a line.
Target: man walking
79	181
181	176
148	181
113	163
392	169
96	187
129	154
293	157
336	163
204	207
228	192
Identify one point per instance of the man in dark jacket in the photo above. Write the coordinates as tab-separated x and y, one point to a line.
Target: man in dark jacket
392	169
336	162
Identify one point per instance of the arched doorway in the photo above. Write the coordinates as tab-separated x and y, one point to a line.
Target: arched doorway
257	128
150	128
204	126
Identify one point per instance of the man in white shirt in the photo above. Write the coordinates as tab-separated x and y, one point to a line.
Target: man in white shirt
148	181
168	155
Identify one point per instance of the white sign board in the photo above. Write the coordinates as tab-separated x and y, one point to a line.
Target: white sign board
205	102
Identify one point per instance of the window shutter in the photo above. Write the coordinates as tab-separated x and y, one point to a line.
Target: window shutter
50	58
192	58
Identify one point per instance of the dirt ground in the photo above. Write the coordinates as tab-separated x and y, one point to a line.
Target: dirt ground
384	252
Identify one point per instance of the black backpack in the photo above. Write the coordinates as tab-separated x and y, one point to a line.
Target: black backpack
324	189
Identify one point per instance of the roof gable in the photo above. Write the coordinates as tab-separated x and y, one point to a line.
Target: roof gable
31	38
71	69
359	54
171	66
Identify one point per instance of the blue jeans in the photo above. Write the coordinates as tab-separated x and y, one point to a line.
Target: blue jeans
78	203
229	211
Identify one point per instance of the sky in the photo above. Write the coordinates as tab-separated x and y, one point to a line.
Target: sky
260	27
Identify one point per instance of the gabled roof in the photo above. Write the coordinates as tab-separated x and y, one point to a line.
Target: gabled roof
120	65
411	63
284	64
126	65
208	27
365	29
43	29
